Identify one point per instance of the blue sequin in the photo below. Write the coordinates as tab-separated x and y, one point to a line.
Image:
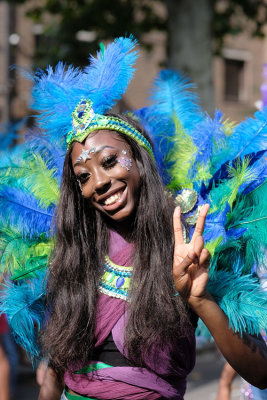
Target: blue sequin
80	114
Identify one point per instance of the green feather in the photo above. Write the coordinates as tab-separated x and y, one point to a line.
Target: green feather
32	175
20	256
181	157
41	182
227	191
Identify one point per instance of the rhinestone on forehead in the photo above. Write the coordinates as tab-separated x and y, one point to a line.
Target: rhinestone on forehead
84	156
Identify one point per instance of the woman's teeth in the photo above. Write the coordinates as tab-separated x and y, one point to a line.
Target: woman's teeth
112	199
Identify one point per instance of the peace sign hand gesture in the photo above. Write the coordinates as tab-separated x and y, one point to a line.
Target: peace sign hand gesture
190	261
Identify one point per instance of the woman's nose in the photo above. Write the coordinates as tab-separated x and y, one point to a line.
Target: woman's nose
102	181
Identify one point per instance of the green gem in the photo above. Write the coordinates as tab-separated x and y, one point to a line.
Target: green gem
110	277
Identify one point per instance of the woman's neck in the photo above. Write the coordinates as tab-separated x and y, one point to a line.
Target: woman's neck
124	228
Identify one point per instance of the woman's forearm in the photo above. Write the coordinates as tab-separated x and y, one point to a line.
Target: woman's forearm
247	355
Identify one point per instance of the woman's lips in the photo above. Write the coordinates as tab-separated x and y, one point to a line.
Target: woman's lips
116	200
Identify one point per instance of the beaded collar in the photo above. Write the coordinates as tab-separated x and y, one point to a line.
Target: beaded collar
115	280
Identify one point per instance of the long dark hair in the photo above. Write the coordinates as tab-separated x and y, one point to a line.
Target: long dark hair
156	314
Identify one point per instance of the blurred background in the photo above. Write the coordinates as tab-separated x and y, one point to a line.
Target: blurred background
220	44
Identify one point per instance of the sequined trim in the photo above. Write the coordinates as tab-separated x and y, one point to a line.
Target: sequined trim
115	281
85	121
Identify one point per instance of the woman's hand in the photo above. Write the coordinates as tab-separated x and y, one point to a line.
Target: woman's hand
190	261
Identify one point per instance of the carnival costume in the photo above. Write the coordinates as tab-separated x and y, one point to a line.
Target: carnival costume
201	160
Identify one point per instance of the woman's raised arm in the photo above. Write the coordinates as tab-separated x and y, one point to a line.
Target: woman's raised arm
247	355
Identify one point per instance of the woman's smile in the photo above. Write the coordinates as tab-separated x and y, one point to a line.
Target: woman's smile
116	199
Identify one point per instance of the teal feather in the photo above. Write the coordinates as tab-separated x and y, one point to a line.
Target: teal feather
242	299
247	251
24	305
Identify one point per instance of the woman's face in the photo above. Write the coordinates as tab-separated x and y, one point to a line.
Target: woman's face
107	174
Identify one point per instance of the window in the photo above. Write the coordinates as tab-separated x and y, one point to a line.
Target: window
234	80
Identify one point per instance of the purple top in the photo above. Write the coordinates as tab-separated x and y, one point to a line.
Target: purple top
169	366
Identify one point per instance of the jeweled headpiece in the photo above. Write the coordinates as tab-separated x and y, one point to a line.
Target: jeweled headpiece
85	121
73	103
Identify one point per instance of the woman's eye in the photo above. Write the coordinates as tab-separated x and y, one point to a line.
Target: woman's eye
110	161
83	178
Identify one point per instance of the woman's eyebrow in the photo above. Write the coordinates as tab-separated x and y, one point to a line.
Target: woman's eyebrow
102	148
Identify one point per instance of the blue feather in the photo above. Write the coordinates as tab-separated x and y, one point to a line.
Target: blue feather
209	137
171	98
249	136
57	93
24	212
24	305
52	153
110	72
215	225
172	94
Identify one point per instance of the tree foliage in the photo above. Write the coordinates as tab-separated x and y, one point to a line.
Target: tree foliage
231	17
103	19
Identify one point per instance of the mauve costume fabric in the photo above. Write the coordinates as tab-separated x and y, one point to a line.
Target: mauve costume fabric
169	367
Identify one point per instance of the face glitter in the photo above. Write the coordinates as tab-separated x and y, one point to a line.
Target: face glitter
125	162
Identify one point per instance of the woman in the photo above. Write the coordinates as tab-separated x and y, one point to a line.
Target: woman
124	289
111	192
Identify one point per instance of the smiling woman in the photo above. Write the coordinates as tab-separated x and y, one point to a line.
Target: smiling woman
128	276
109	177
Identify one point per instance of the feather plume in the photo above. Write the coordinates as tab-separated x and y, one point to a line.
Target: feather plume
249	136
210	136
172	95
242	299
169	119
53	154
20	256
40	181
56	93
110	72
24	306
24	212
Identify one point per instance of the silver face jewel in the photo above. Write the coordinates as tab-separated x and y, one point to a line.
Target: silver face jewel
84	156
124	152
125	162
